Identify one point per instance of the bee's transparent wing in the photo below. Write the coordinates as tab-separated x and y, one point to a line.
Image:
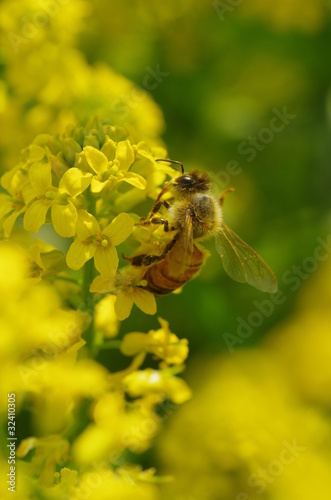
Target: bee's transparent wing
184	248
242	263
187	233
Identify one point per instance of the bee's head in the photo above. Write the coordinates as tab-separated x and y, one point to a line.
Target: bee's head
191	182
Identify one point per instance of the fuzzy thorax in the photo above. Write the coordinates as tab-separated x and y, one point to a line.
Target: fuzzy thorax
202	210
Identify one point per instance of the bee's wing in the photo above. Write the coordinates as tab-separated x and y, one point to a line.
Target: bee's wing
187	233
184	248
242	263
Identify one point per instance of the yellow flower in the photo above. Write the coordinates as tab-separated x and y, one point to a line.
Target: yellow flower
12	205
162	343
151	381
92	241
105	319
111	165
127	287
44	260
101	483
61	199
49	451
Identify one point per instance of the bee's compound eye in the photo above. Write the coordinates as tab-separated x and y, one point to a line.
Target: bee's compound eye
185	180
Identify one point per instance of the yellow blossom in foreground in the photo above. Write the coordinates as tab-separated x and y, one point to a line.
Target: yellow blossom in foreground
162	343
92	241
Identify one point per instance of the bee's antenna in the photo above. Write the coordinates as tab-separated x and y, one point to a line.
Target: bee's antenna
173	161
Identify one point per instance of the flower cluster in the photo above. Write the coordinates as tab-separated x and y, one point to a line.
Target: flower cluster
79	182
62	305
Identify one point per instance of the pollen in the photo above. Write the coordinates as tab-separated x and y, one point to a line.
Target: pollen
104	242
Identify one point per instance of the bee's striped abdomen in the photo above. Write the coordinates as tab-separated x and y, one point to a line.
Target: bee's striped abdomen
175	270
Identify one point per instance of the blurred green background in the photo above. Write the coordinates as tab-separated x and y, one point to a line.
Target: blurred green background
221	73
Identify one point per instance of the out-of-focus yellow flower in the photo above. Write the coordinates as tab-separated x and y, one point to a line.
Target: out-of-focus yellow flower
127	287
162	343
12	205
150	381
302	343
49	452
105	319
100	482
250	430
35	328
44	260
132	429
97	243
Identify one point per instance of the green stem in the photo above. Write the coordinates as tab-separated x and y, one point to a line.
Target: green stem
88	298
65	278
89	304
110	344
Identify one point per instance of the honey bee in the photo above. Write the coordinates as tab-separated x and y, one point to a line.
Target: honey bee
195	214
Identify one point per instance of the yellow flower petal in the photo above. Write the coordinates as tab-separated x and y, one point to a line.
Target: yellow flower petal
74	181
96	160
79	253
10	221
6	205
40	177
35	215
109	149
144	300
97	186
119	229
106	261
87	225
123	305
36	153
124	154
64	218
102	285
135	180
178	390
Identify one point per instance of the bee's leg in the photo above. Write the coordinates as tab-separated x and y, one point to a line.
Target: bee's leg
147	260
159	221
155	209
222	195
